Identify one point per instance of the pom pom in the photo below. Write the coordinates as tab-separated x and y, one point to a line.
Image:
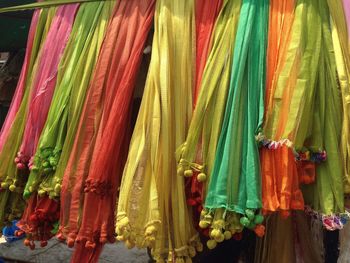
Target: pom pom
26	194
20	166
259	230
215	233
124	222
227	235
180	171
43	243
199	247
129	244
284	213
58	189
192	251
41	193
26	242
103	240
203	224
121	238
201	177
244	221
150	230
4	185
211	244
12	188
250	214
90	245
70	242
220	238
258	219
188	173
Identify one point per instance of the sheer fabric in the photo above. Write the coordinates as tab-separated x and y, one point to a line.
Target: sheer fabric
105	116
280	172
196	154
32	50
11	202
152	209
44	82
340	33
74	75
234	185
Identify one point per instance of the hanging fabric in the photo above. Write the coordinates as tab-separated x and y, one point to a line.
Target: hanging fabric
281	174
234	185
152	209
196	154
112	85
54	149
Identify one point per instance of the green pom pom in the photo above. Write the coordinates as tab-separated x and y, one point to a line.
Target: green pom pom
258	219
250	214
244	221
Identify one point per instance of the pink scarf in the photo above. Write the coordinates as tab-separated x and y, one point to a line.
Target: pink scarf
45	81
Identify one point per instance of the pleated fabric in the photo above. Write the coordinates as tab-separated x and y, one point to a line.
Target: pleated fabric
11	202
74	75
326	196
44	83
234	185
196	154
340	27
294	238
105	116
32	49
206	14
152	209
280	172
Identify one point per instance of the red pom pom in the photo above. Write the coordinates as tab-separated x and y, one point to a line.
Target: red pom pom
238	236
90	245
191	202
43	243
259	230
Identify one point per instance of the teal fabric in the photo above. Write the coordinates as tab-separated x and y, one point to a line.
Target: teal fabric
235	182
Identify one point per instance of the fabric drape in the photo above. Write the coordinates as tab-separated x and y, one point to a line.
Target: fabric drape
234	185
152	209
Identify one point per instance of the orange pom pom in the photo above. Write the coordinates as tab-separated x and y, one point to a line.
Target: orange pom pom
259	230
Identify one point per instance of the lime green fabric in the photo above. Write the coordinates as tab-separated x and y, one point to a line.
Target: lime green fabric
235	181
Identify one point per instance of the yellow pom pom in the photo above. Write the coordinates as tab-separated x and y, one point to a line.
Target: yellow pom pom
31	189
211	244
215	233
192	252
203	212
180	171
124	222
220	238
228	235
120	238
199	247
58	189
4	185
41	192
129	244
203	224
150	230
201	177
12	188
188	173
